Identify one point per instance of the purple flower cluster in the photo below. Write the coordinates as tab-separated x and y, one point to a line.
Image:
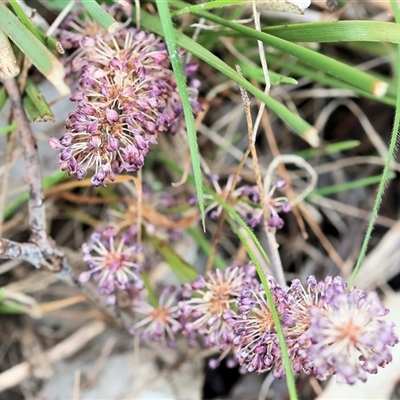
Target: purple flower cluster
126	96
329	330
161	321
256	341
208	304
112	258
245	200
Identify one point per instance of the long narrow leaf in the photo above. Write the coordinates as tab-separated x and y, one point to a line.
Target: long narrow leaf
182	270
341	31
386	171
327	64
236	221
35	50
168	31
101	16
303	128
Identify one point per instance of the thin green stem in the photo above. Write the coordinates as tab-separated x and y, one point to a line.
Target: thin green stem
170	39
387	168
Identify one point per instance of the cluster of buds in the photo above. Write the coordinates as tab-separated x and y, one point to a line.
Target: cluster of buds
126	96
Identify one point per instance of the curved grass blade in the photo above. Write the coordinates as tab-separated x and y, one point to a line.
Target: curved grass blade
301	127
344	72
101	16
235	221
340	31
278	326
386	171
329	149
257	73
168	30
34	49
182	270
328	190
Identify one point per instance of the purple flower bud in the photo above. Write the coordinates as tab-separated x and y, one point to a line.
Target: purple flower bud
55	143
111	115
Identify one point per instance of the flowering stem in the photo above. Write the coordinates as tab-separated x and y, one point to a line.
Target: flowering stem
274	312
37	217
387	169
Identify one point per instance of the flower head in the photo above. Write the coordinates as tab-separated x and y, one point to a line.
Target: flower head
208	305
111	258
333	330
160	323
256	340
127	95
350	338
245	200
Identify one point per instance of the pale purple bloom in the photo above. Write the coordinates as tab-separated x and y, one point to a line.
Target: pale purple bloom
256	342
349	334
160	322
112	260
333	330
207	308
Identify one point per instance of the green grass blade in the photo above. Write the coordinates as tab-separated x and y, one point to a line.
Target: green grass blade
182	270
235	222
8	128
31	110
257	73
340	31
24	19
168	31
386	171
101	16
43	108
204	245
305	71
344	72
278	326
342	187
301	127
35	50
10	309
207	6
329	149
3	98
